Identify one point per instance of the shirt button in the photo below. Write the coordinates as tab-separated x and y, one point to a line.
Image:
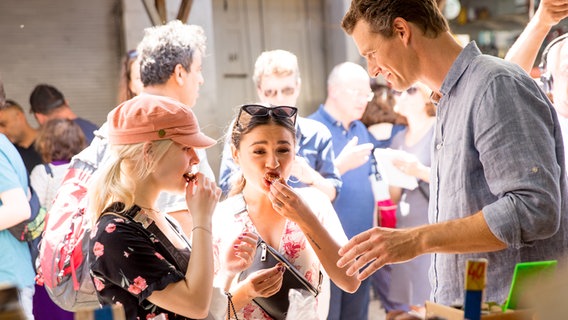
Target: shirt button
439	146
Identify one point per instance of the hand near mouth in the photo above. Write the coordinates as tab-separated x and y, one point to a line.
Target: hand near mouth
272	176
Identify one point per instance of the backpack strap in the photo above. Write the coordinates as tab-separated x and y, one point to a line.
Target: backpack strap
134	214
48	169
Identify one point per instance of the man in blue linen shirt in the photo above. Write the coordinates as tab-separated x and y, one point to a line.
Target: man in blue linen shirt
498	186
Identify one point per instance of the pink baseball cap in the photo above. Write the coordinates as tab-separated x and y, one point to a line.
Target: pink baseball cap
149	117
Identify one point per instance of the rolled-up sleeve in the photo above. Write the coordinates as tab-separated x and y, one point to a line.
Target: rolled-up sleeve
518	155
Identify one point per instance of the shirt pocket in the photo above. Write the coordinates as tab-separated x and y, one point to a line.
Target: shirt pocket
452	170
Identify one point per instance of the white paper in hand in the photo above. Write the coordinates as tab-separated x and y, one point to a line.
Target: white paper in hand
391	174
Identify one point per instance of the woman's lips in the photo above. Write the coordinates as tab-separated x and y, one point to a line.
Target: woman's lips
189	177
272	176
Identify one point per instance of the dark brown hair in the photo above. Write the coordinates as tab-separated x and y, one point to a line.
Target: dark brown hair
45	98
381	14
124	92
381	108
59	140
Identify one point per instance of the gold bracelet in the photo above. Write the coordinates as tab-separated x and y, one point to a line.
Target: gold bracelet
202	228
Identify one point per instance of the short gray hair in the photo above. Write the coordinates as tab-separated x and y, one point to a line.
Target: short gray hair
164	47
339	74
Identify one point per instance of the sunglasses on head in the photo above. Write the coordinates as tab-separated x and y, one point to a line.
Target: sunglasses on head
249	111
286	91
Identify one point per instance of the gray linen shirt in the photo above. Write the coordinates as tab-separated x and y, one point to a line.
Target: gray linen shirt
497	148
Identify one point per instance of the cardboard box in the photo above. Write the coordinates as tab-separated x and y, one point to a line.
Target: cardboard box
449	313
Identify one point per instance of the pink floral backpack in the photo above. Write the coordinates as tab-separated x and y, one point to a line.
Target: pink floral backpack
63	267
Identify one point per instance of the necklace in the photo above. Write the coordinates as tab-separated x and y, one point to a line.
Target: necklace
149	211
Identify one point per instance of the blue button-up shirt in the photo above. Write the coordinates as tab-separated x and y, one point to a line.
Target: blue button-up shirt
497	148
355	205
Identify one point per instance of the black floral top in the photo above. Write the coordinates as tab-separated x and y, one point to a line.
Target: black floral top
128	262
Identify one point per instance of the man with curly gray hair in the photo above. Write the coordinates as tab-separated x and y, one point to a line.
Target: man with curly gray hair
170	65
170	61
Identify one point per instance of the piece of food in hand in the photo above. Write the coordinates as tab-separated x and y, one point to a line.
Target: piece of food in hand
189	177
271	177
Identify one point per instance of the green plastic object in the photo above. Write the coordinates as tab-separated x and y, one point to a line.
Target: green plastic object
525	274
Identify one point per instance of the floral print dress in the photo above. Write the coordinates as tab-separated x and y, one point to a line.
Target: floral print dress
229	221
128	263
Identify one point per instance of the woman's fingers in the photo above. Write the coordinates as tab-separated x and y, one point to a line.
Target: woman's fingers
267	282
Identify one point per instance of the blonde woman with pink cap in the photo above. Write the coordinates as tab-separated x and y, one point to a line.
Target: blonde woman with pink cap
140	257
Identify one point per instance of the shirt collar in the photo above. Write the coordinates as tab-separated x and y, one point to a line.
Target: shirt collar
328	117
464	59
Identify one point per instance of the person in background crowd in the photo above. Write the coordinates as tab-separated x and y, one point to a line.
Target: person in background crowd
348	92
379	117
409	280
16	267
15	125
278	82
171	65
154	139
490	198
555	61
525	49
129	84
58	140
300	223
383	123
49	103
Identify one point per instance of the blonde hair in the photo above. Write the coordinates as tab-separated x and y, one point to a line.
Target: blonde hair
117	181
280	63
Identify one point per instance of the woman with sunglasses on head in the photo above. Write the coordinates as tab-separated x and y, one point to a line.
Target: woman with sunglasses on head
409	280
298	223
139	257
